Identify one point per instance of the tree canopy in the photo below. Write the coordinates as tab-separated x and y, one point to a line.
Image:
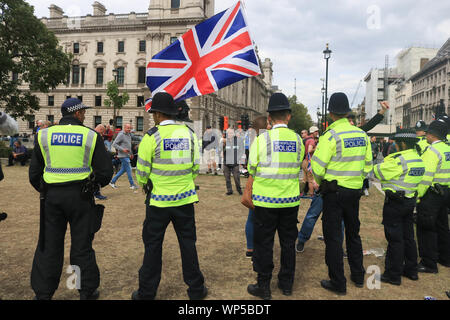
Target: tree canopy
30	59
300	118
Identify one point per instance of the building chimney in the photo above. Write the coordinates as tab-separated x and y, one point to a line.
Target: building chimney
423	62
55	12
99	9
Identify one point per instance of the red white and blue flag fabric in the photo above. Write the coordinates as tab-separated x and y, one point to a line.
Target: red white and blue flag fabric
209	57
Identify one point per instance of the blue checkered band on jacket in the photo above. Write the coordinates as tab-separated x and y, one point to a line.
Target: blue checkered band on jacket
275	200
67	170
173	197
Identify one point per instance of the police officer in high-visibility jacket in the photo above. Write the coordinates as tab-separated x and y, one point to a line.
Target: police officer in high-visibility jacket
447	121
433	236
421	129
168	162
400	174
63	159
274	163
342	160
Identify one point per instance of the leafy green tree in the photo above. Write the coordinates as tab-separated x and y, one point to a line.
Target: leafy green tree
115	99
300	118
29	57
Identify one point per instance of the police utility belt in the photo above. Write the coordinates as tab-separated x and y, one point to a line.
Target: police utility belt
439	189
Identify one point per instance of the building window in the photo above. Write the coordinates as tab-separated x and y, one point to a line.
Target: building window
76	48
97	120
139	123
51	101
98	101
140	101
80	98
173	39
121	46
175	4
51	118
31	122
99	47
142	45
121	75
68	97
99	76
141	74
83	75
119	122
75	74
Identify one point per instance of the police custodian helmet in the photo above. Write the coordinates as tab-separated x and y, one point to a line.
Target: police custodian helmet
438	128
163	102
278	102
338	103
421	126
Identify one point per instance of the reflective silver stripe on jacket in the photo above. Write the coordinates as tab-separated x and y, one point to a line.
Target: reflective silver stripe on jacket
277	176
378	167
279	165
44	143
171	172
320	162
88	147
345	173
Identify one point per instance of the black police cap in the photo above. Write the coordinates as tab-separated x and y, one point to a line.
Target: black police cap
183	111
438	128
278	102
405	135
163	102
338	103
72	105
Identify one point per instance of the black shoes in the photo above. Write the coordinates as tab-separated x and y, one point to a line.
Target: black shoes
300	247
425	269
91	296
136	296
286	292
260	292
229	193
443	263
386	279
240	192
326	284
411	276
201	296
358	283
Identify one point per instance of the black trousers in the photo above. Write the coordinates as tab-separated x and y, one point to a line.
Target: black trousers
63	205
266	222
20	158
342	205
433	235
155	224
401	253
227	171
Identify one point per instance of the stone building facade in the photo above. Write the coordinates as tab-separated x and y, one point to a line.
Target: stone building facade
430	88
101	43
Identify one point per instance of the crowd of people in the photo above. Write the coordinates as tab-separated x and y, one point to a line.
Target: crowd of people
71	163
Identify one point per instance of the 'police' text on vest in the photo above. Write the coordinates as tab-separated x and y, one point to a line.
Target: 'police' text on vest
67	139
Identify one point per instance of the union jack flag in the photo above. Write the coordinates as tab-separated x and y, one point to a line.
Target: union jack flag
209	57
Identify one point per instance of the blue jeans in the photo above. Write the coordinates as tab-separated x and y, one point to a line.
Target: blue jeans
125	166
249	229
311	218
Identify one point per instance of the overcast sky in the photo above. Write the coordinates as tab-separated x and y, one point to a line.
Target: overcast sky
293	34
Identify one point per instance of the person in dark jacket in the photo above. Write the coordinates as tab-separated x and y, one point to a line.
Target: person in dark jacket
369	125
64	159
